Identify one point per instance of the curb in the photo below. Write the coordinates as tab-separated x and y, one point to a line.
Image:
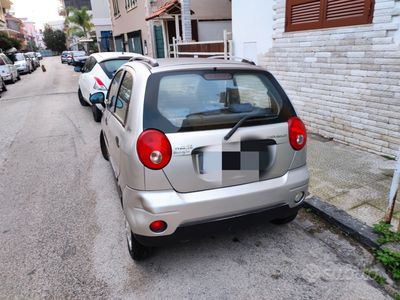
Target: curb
345	222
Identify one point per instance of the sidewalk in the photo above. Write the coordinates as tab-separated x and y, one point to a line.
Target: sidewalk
353	180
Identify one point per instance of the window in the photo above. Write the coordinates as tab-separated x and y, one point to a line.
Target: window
202	100
116	8
129	4
7	60
112	93
89	65
124	96
2	63
111	66
315	14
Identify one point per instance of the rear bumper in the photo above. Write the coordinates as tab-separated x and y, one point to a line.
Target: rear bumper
189	231
7	77
180	210
22	69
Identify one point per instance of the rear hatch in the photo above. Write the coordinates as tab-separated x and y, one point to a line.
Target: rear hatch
197	111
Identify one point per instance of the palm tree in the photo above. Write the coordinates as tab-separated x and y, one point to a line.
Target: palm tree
81	20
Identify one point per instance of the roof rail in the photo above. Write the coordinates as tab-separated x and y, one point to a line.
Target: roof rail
229	57
146	59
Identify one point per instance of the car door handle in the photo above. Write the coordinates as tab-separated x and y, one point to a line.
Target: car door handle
117	141
106	120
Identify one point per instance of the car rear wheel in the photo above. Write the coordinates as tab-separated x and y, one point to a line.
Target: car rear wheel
97	113
81	100
103	147
286	220
136	250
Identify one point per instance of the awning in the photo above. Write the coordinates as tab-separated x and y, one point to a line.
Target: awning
172	7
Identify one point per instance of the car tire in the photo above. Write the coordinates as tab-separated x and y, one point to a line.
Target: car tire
137	251
103	147
81	100
19	77
97	113
283	221
4	87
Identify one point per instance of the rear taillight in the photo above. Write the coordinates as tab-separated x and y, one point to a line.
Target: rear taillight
297	133
154	149
99	85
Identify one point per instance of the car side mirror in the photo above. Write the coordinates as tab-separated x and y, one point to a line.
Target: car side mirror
119	104
78	69
97	98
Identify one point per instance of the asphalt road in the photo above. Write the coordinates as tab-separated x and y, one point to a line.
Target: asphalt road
62	230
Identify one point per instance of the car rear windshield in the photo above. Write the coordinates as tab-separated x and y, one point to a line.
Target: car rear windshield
79	53
111	66
203	100
19	57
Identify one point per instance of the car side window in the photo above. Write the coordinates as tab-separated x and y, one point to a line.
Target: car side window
124	96
113	91
8	61
2	63
89	65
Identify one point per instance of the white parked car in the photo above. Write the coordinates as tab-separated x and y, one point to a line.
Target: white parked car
97	74
23	65
8	71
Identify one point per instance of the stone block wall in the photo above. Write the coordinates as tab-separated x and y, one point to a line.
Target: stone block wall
344	82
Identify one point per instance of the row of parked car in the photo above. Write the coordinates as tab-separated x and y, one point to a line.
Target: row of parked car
195	144
12	65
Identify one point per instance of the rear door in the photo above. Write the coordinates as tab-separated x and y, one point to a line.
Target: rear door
114	119
197	110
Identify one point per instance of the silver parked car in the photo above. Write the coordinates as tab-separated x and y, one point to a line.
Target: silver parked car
196	141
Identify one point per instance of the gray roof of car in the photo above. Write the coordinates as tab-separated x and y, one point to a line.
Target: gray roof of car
101	56
165	64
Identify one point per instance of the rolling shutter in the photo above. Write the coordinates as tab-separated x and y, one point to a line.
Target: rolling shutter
303	14
345	12
314	14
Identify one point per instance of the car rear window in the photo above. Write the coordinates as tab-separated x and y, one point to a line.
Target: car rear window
111	66
19	57
202	100
79	53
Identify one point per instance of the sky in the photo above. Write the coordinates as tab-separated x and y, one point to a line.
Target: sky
38	11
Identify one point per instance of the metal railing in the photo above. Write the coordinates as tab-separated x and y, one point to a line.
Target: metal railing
225	45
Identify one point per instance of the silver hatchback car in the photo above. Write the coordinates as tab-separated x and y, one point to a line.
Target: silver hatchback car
196	141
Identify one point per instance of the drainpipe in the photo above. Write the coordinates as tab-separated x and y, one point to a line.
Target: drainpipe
186	21
393	193
177	30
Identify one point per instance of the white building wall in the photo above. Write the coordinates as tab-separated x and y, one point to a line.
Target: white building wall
252	27
213	30
101	17
344	81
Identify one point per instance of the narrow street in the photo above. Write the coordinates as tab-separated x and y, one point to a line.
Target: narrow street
62	230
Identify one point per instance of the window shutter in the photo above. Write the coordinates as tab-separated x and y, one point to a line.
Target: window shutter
303	14
348	12
314	14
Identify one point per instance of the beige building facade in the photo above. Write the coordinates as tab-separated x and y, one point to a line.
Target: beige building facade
149	26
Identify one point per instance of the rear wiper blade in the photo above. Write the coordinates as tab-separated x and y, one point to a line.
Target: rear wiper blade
244	119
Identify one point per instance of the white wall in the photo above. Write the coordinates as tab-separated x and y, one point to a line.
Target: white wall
252	27
213	30
101	16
